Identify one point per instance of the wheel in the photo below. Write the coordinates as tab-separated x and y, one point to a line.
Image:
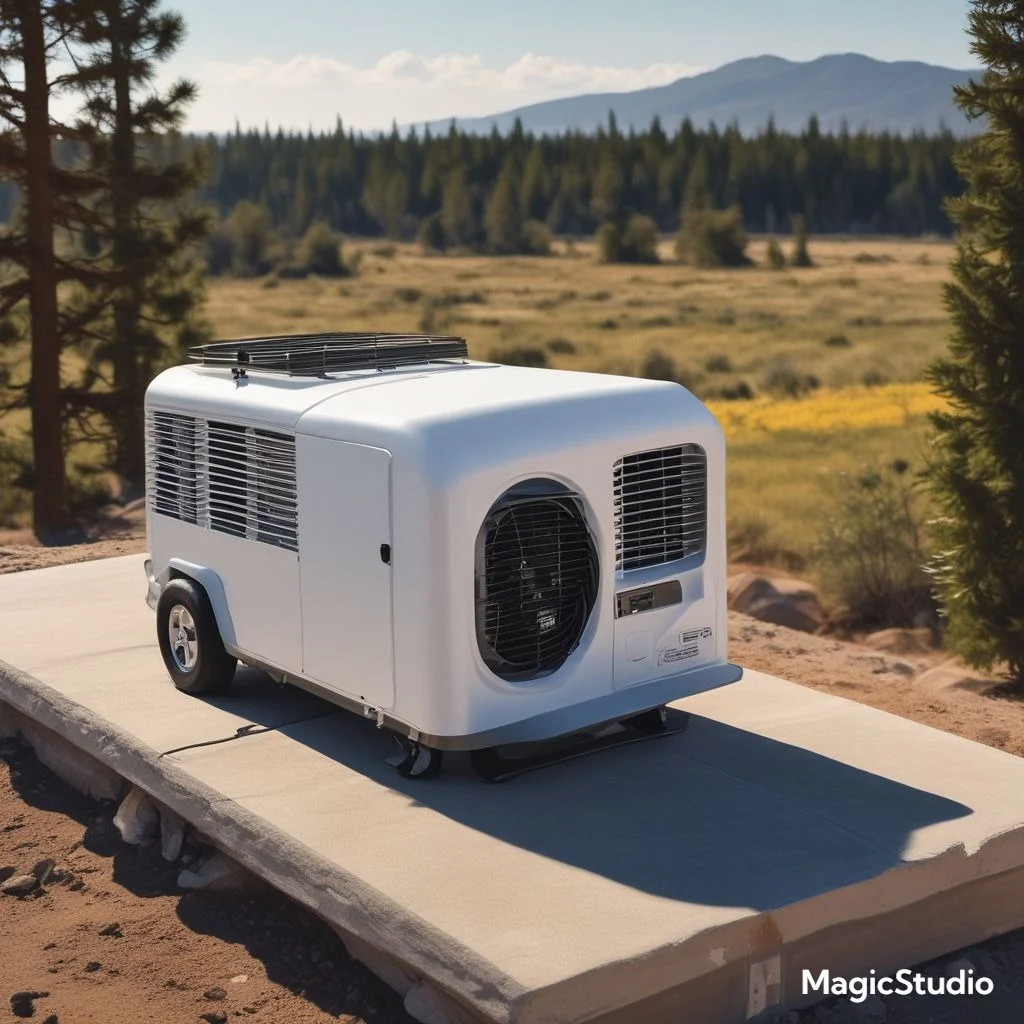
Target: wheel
651	723
190	641
415	760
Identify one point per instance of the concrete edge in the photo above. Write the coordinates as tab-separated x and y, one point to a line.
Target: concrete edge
408	953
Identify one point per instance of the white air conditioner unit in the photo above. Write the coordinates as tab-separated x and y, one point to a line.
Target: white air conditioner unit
473	555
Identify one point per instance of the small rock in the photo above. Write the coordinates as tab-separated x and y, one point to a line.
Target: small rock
172	834
20	885
214	1017
76	885
900	641
137	819
7	872
52	1019
43	870
21	1002
217	872
239	978
112	930
215	994
92	966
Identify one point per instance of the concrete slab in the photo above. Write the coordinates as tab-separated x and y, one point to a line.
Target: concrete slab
691	878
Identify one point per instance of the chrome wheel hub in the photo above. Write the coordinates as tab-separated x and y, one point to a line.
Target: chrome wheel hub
181	630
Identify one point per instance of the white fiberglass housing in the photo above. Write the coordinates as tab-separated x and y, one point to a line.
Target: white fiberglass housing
471	553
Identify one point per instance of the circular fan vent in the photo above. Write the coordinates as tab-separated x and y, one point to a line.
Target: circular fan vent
537	572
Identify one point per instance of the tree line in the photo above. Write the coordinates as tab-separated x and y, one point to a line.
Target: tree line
448	187
452	188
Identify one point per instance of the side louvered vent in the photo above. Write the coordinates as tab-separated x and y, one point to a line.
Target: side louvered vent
174	450
252	489
660	506
225	477
536	579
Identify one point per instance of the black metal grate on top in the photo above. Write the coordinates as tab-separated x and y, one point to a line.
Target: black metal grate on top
660	506
313	355
537	577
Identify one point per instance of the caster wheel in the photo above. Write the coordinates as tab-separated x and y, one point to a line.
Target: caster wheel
650	723
415	760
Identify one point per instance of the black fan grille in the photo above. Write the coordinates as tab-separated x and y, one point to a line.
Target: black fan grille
537	587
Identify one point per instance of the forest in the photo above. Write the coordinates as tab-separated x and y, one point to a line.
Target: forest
389	185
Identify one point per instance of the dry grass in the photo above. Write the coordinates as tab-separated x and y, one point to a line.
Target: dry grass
869	311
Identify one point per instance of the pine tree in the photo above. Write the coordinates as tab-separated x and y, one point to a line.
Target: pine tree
801	256
502	219
457	209
149	232
977	462
30	33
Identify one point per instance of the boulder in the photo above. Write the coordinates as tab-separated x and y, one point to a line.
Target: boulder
900	641
780	600
20	885
954	675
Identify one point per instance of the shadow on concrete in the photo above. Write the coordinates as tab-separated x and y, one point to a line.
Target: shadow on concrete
716	815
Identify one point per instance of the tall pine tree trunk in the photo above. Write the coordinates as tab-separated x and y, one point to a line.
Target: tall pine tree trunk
130	456
49	509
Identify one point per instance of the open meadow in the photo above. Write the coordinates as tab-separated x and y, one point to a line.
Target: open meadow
833	354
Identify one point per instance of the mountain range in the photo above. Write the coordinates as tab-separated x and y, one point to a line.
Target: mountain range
847	88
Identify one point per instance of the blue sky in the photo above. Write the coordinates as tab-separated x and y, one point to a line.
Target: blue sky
305	61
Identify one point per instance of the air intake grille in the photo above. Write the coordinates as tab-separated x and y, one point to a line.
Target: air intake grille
173	450
537	577
225	477
660	506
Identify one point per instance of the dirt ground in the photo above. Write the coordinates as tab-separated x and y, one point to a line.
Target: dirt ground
183	957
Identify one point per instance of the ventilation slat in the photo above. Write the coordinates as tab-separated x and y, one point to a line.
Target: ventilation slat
223	476
660	506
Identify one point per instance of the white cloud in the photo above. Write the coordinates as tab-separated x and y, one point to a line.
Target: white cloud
403	86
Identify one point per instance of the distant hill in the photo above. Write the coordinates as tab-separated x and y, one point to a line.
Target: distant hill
901	96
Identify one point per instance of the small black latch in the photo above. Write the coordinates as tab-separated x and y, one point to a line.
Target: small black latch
385	553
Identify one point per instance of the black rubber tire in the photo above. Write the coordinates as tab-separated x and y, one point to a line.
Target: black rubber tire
213	668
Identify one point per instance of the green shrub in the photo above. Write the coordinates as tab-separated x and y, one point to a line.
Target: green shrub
801	256
781	377
837	341
431	235
713	238
870	553
319	251
562	346
719	363
774	255
536	238
520	355
737	392
408	294
658	365
873	378
634	240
